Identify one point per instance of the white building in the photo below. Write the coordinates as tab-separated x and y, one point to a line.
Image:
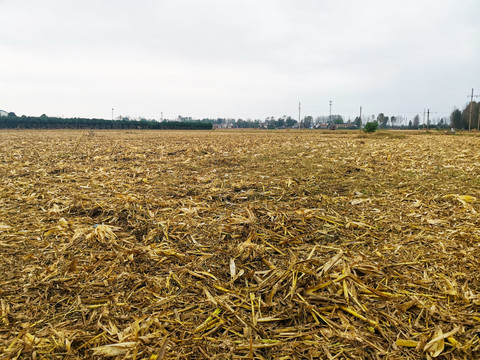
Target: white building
3	113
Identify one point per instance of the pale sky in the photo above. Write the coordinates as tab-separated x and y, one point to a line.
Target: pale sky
237	59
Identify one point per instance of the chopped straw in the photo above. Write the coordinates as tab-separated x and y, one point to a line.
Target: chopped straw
239	244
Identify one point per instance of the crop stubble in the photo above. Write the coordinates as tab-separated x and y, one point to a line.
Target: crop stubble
239	244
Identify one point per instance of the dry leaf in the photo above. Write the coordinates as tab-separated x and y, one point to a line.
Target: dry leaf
112	350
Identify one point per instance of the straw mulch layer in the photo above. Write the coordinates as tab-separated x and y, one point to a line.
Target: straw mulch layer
214	245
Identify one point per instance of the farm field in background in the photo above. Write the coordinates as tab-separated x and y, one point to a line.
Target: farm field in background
239	244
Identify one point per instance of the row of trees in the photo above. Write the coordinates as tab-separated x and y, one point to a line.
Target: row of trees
45	122
383	121
284	122
461	119
394	122
468	118
270	122
13	121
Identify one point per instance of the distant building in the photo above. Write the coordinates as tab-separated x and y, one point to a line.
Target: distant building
222	126
336	126
3	113
345	126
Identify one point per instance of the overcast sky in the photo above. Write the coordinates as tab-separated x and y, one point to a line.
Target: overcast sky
237	59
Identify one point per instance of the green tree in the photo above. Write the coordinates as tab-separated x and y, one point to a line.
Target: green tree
393	120
466	115
289	122
338	119
456	120
307	122
371	127
385	122
416	121
381	120
358	122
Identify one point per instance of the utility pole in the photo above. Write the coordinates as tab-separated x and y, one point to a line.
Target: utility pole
360	122
161	115
299	105
423	118
428	119
112	113
471	110
330	118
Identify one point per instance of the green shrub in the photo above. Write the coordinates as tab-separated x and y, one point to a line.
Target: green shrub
371	127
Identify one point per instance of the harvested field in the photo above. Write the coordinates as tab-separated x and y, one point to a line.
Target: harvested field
257	245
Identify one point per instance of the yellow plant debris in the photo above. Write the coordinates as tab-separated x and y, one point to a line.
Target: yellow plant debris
239	244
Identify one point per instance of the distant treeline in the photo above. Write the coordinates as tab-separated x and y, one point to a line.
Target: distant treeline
467	118
46	122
